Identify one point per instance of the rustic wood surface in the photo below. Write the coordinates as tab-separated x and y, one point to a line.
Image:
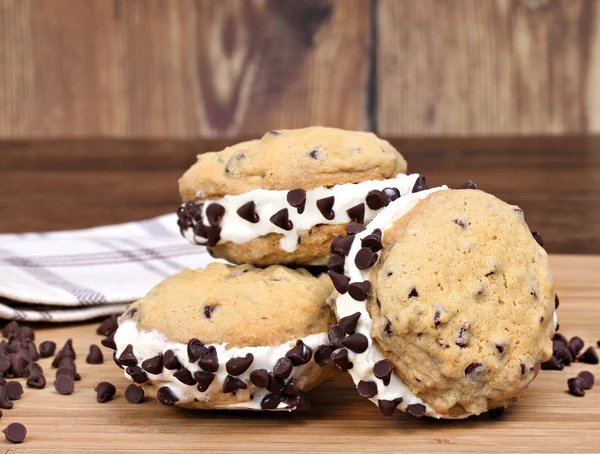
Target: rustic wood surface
53	185
546	420
184	68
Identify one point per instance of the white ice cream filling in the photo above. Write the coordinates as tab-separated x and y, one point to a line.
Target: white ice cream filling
148	344
268	202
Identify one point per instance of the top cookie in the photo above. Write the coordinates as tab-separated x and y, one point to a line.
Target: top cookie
289	159
242	306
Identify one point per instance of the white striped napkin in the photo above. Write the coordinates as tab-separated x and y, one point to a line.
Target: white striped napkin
84	274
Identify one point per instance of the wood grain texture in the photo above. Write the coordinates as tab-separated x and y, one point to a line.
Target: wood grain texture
501	67
546	420
189	68
62	184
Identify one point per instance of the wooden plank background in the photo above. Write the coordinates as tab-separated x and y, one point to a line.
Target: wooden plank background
213	68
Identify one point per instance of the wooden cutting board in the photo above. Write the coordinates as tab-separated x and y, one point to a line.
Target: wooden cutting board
547	419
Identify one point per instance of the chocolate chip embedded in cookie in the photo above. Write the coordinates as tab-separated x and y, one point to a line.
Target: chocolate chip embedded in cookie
281	199
252	350
447	306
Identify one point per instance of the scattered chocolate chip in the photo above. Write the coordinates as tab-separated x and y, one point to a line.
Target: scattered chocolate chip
357	213
270	402
589	356
283	368
538	238
259	378
365	258
349	323
210	361
14	390
577	343
336	263
460	223
373	242
359	290
134	394
185	377
413	293
5	403
576	386
276	384
353	229
4	363
325	206
66	370
560	337
109	342
323	355
248	212
127	357
36	380
340	358
15	432
391	194
26	333
208	311
367	389
64	384
95	355
388	407
498	411
204	380
416	410
572	351
383	370
10	329
376	199
340	281
564	356
552	364
165	396
105	391
231	384
297	199
214	214
154	365
239	365
356	342
336	335
300	354
470	185
471	369
281	219
341	244
170	360
420	185
195	350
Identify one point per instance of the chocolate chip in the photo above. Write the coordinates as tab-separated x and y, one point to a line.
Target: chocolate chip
460	223
4	363
68	371
297	199
95	355
154	365
359	290
357	213
391	194
353	229
556	302
107	327
26	333
36	380
348	323
413	293
210	361
576	386
290	401
276	384
259	378
340	281
165	396
587	377
572	351
564	356
204	380
560	337
416	410
239	365
281	219
10	329
47	349
134	394
365	258
373	242
341	244
367	389
231	384
470	185
270	402
4	401
213	236
495	412
109	342
420	184
195	350
383	370
14	390
538	238
15	432
283	368
472	369
322	355
214	214
185	377
325	206
356	342
105	391
316	155
340	358
388	407
589	356
375	199
336	263
577	343
388	328
170	360
127	357
336	335
64	384
248	212
500	348
208	311
300	354
463	337
552	364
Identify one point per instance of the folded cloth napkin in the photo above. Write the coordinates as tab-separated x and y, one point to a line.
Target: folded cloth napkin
83	274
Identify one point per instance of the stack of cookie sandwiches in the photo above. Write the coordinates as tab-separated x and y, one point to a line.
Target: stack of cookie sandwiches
437	302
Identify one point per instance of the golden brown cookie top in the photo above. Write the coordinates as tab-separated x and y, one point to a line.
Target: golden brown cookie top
289	159
242	306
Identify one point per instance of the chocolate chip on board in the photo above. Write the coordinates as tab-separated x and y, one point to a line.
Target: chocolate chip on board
14	390
36	380
47	349
577	343
64	384
105	391
15	432
95	355
109	342
589	356
576	386
587	377
5	402
134	394
552	364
